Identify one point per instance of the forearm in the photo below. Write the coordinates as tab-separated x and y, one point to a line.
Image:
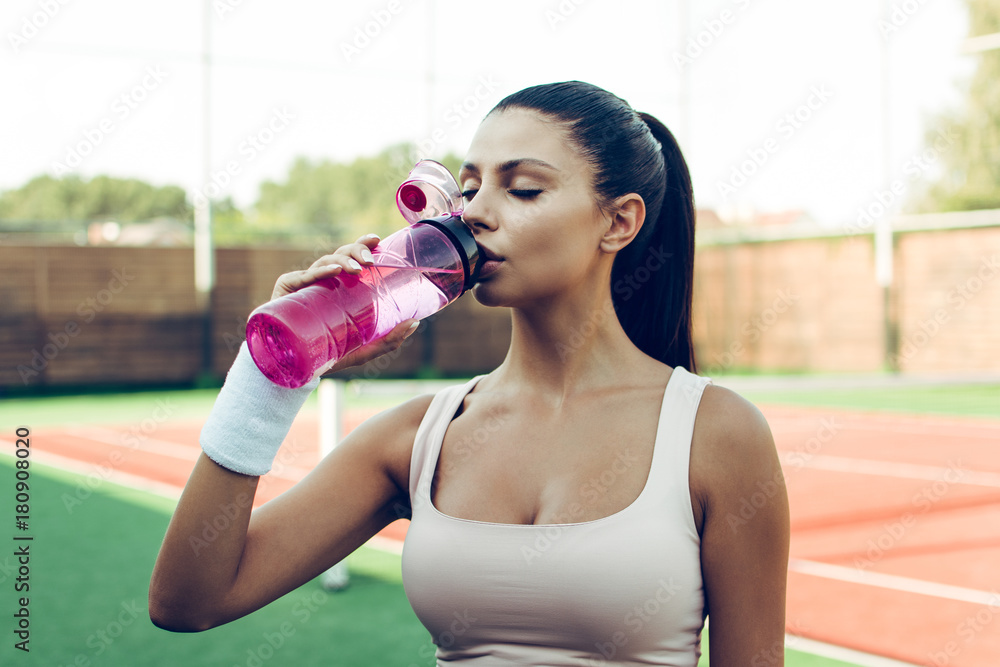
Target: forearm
194	580
196	570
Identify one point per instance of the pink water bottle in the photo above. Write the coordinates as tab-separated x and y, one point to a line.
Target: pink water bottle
417	271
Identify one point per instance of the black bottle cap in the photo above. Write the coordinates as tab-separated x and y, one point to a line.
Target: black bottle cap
464	241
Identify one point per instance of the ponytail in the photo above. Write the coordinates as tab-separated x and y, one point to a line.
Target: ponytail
657	315
652	278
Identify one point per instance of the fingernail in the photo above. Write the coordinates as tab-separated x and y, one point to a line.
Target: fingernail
371	236
353	263
409	332
366	255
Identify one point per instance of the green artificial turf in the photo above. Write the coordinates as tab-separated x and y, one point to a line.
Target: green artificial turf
977	400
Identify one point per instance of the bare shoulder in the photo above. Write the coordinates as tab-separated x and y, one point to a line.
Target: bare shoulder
732	447
392	433
741	509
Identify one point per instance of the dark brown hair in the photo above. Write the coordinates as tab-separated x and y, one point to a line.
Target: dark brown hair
652	278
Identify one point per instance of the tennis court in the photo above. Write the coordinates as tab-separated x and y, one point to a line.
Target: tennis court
895	533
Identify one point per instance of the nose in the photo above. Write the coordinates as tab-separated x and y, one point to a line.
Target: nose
478	215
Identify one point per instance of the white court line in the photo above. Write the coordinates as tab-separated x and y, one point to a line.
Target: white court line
942	430
892	469
82	468
181	451
285	471
847	655
176	450
893	582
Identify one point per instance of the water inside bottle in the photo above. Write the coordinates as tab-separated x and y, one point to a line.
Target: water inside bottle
290	349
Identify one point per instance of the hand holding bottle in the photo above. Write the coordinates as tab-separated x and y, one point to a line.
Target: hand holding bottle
360	253
369	290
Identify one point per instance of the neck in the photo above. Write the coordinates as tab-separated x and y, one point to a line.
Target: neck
574	345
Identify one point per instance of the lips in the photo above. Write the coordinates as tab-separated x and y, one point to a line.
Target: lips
488	255
491	262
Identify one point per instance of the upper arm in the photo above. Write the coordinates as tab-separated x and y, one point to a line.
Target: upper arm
354	492
737	478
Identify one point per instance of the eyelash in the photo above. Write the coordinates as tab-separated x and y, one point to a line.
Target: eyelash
525	194
521	194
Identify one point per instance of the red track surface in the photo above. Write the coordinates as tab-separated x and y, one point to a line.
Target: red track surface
908	502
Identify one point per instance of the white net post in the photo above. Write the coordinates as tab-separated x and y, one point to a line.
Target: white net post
331	430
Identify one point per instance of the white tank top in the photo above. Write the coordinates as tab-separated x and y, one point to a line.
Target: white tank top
625	589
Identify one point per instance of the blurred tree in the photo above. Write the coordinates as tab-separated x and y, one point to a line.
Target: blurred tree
966	143
319	201
344	201
48	199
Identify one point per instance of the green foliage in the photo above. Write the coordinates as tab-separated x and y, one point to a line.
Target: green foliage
344	200
48	199
971	164
319	201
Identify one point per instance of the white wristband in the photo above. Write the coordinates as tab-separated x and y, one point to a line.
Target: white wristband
251	418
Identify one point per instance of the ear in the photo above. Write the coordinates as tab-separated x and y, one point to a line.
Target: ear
625	222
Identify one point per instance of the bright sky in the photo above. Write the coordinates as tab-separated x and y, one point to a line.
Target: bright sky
122	82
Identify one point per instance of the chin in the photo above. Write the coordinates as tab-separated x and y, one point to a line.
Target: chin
487	295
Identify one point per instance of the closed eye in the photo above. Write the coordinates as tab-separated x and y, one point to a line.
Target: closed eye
525	194
470	193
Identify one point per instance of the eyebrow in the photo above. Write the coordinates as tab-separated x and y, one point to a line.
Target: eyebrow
510	165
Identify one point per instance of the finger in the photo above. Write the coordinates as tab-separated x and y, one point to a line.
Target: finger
393	340
296	280
344	258
370	240
352	256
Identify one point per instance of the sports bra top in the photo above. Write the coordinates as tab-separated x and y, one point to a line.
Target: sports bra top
625	589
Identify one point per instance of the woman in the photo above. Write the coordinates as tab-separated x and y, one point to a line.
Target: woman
581	504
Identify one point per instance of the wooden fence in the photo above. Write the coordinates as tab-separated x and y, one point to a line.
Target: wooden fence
97	316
